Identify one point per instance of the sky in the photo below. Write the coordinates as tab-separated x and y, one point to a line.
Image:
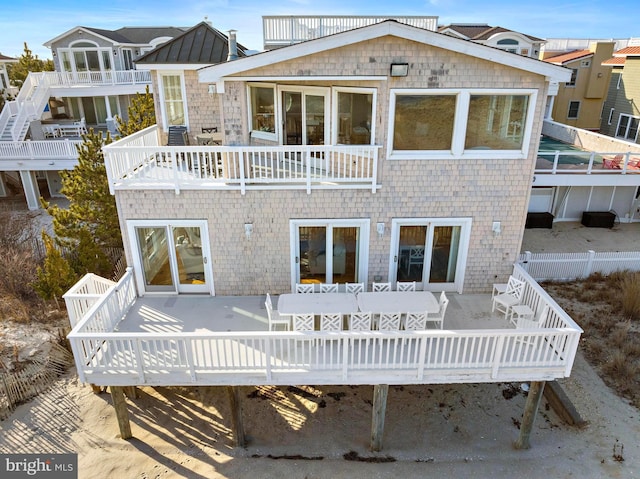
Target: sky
38	21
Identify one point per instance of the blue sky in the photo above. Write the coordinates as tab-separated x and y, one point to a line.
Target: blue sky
36	22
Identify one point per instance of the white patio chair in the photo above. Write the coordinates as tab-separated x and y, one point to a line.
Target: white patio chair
360	321
303	322
381	287
329	288
416	321
354	288
406	286
274	317
331	322
305	288
438	317
389	321
507	300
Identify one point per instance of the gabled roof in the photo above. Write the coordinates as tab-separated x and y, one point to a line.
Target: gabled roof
480	31
554	73
202	45
5	59
569	57
125	35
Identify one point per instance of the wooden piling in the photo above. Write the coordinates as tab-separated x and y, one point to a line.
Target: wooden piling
122	414
236	416
536	388
380	393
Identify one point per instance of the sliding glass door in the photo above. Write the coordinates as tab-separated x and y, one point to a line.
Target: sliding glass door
431	252
329	251
171	258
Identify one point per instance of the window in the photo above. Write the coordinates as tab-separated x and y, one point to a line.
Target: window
628	127
574	107
495	122
172	100
574	76
508	44
424	122
354	116
262	114
444	124
619	81
127	59
585	63
610	116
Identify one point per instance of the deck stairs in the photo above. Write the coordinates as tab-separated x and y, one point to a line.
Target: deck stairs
17	115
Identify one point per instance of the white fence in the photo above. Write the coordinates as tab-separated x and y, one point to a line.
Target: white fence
139	160
47	149
571	266
105	356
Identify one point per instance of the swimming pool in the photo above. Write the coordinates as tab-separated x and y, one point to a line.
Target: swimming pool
569	154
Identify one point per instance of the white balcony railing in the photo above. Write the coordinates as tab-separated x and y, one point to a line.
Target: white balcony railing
138	161
105	356
35	150
286	30
97	78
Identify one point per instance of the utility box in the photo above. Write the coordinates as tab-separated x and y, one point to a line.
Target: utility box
598	219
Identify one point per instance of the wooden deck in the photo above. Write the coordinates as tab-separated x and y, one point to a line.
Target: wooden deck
122	340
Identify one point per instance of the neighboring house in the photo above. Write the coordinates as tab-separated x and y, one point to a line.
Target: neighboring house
552	47
94	79
621	112
579	101
497	37
5	85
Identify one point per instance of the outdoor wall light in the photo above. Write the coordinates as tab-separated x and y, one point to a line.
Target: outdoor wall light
380	229
248	229
399	69
212	90
496	228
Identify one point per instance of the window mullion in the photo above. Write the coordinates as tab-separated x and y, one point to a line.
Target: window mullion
460	124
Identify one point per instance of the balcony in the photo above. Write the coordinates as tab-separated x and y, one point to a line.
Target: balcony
140	162
279	31
120	339
39	155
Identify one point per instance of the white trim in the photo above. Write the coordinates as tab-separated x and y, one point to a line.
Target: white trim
610	115
457	150
425	37
463	248
160	74
307	78
168	224
303	90
334	105
364	225
264	135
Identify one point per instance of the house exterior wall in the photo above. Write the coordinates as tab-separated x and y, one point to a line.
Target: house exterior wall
485	190
623	95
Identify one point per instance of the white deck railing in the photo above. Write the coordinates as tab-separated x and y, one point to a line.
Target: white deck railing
46	150
564	162
105	356
572	266
97	78
285	30
138	161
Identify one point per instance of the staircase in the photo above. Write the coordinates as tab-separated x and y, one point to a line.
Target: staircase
17	115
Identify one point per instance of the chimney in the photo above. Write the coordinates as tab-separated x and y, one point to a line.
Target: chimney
233	46
207	21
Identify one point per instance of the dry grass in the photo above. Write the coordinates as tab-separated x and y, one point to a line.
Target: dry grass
608	309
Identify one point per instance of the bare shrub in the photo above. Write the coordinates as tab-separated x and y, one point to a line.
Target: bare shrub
16	228
620	334
630	295
19	271
13	309
622	372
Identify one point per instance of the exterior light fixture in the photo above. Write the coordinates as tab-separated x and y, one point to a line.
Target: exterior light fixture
380	229
212	90
399	69
496	227
248	229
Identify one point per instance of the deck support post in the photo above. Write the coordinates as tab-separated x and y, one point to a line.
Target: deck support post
380	393
536	389
131	392
236	416
122	414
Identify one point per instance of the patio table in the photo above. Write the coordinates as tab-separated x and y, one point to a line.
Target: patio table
317	303
398	302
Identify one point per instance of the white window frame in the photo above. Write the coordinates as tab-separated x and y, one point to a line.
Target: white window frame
569	110
161	74
457	151
619	81
71	49
610	116
626	133
304	90
463	247
264	135
334	105
363	254
571	84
